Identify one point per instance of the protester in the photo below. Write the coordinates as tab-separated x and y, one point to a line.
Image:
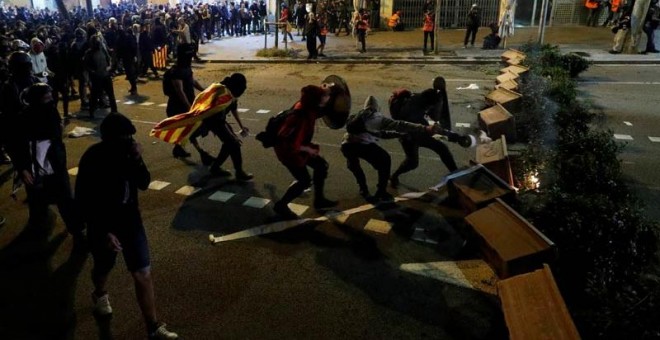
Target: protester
98	66
472	25
429	29
295	150
394	23
311	32
109	176
361	27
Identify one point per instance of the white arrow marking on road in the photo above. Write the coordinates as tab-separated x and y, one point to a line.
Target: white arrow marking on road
473	274
654	139
623	137
158	185
221	196
465	125
73	171
187	190
262	111
627	123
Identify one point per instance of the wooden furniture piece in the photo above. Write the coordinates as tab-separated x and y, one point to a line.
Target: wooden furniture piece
516	69
509	243
504	77
495	157
507	98
510	85
513	56
497	121
534	308
479	187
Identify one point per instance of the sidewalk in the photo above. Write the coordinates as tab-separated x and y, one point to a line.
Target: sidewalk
406	47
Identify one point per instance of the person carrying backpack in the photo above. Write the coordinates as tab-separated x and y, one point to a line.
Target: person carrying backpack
361	142
414	108
295	150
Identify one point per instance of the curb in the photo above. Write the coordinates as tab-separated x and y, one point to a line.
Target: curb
411	61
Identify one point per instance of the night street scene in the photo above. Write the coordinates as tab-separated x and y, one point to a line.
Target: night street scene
329	169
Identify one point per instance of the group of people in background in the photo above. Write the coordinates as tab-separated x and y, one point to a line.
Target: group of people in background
620	21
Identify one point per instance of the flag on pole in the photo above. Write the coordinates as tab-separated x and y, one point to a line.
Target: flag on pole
177	129
159	57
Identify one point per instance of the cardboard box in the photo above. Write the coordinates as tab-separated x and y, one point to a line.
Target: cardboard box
504	77
497	121
515	69
478	187
513	56
509	243
507	98
534	308
510	85
495	157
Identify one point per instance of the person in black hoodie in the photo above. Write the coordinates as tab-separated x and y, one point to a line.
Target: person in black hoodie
40	159
109	176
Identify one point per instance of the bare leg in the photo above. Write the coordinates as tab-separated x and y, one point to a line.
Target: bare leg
144	290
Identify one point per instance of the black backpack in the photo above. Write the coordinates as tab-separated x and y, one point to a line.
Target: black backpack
168	85
396	101
268	137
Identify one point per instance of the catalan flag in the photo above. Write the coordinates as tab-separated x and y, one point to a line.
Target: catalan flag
159	57
177	129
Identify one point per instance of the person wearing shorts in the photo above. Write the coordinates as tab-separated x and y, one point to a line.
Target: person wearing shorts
109	176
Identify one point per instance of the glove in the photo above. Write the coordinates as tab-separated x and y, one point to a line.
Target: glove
466	141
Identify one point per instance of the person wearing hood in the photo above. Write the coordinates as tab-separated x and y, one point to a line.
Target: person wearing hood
295	150
39	64
40	159
110	173
472	23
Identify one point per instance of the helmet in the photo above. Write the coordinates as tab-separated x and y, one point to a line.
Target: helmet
33	94
20	63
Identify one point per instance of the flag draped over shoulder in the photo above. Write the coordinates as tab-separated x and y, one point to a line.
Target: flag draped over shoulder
177	129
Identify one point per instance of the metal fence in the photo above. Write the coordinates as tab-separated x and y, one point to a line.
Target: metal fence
453	13
573	12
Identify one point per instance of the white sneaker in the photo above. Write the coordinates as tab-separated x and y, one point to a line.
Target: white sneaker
162	333
102	304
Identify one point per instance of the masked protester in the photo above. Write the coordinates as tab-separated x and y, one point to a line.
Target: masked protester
40	159
109	176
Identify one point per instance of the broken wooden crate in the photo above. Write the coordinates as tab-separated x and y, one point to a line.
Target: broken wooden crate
495	157
509	243
510	85
504	77
534	308
478	187
515	69
513	56
497	121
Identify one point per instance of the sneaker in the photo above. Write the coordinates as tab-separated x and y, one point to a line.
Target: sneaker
162	333
101	304
180	152
384	196
364	192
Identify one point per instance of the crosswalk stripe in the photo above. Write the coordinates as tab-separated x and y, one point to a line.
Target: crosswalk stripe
298	209
623	137
221	196
243	110
147	103
262	111
158	185
627	123
129	102
73	171
654	139
256	202
378	226
187	190
162	105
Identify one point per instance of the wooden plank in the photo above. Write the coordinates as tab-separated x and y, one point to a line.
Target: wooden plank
534	308
510	85
495	157
516	69
504	77
513	56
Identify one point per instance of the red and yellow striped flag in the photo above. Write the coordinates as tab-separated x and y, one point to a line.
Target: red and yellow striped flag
159	57
177	129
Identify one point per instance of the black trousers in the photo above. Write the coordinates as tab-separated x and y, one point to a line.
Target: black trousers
373	154
231	147
362	39
302	179
411	149
53	189
311	47
100	85
428	35
470	34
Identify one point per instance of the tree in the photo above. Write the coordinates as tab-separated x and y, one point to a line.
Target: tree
638	16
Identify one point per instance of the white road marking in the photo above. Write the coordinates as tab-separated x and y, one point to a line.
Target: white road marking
243	110
221	196
256	202
465	125
73	171
129	102
262	111
158	185
627	123
117	101
147	103
298	209
654	139
162	105
378	226
623	137
473	274
187	190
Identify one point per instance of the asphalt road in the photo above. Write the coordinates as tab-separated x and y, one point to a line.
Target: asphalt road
324	279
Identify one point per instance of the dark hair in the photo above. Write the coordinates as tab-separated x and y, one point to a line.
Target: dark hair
115	125
236	84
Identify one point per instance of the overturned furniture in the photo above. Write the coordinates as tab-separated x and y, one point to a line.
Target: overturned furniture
509	243
497	121
513	57
534	308
495	157
477	187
